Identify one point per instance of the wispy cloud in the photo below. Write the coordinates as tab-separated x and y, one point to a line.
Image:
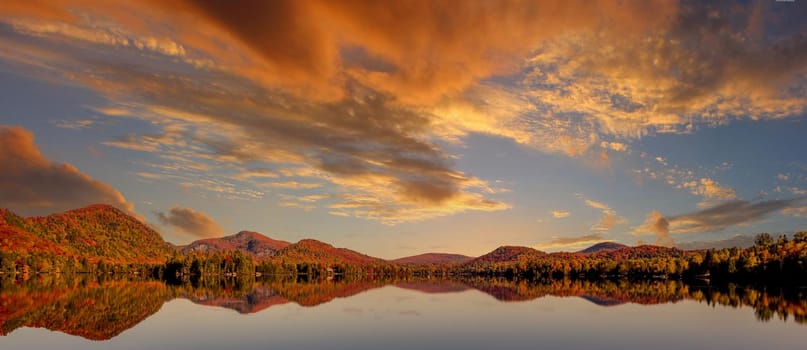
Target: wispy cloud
559	214
799	212
74	124
609	218
717	218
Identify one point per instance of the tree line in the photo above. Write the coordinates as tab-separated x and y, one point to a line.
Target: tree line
780	260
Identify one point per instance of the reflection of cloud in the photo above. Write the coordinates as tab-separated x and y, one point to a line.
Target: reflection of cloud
571	242
719	217
191	222
33	185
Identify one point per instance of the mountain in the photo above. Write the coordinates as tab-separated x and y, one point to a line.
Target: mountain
509	254
433	259
603	246
314	251
97	231
254	243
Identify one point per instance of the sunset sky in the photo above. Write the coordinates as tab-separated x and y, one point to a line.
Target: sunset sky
402	127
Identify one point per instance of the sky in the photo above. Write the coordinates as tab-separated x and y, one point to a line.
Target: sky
399	128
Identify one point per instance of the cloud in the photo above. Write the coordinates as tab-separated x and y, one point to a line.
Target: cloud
609	217
656	223
729	214
710	189
191	222
718	217
559	214
365	94
713	192
75	124
703	68
799	212
571	242
294	185
33	185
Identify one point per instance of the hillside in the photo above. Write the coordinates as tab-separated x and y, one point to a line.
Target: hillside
98	231
639	252
257	245
508	254
433	259
603	247
315	252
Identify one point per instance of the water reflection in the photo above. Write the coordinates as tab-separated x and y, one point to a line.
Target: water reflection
101	308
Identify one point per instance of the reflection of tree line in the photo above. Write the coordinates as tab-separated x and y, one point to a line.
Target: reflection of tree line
767	302
98	308
92	308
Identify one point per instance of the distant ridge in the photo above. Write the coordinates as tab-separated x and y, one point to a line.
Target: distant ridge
314	251
639	252
253	243
508	254
603	246
433	259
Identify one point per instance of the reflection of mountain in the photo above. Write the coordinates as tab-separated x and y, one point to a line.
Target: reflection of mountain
267	293
603	301
434	286
91	310
258	299
102	310
433	259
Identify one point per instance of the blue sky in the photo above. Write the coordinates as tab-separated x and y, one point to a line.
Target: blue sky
426	134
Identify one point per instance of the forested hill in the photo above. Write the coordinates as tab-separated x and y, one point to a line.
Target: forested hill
255	244
86	234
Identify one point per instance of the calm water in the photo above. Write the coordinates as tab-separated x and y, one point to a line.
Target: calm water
416	314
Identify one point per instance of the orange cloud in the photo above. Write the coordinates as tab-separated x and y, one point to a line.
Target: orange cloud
560	214
426	50
191	222
359	92
30	184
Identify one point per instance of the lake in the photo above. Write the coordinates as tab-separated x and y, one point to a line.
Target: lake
56	312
